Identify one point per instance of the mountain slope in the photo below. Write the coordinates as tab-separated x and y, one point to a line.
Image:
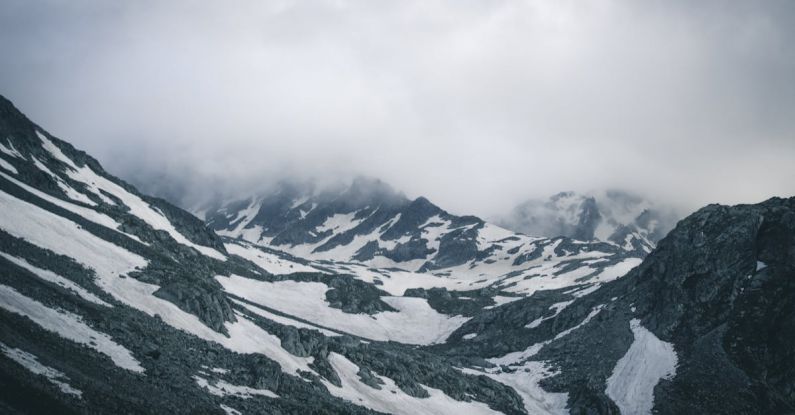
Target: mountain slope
703	325
368	225
111	301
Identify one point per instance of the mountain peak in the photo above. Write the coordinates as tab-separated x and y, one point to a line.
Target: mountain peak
615	216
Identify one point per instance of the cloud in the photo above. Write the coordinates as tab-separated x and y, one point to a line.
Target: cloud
475	104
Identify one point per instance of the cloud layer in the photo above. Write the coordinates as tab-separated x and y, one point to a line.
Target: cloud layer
475	104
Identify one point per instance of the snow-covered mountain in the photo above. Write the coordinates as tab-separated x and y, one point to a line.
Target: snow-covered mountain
615	216
115	302
367	224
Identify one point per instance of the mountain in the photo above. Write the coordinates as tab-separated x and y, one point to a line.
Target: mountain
367	223
614	216
112	301
703	325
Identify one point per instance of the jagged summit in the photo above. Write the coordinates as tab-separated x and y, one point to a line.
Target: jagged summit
615	216
368	222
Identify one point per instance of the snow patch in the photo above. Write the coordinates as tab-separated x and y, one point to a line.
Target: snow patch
223	388
390	398
271	263
111	263
11	151
31	363
87	213
138	207
648	360
525	379
415	322
67	325
6	165
56	279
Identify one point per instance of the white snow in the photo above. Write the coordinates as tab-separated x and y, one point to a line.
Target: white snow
390	399
545	278
87	213
138	207
514	358
68	190
245	216
500	300
55	279
6	165
11	151
223	388
67	325
648	360
524	379
556	308
39	165
524	375
415	322
229	410
271	263
111	263
489	234
396	282
54	150
339	223
760	266
31	363
284	320
470	336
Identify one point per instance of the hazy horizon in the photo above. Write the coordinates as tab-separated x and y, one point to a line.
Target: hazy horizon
476	105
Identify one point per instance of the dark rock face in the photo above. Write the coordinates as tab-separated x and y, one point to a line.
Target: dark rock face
722	288
354	296
294	214
588	221
455	248
203	300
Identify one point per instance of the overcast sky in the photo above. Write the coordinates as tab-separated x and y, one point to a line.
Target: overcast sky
475	104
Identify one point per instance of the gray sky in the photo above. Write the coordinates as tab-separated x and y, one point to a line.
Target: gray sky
475	104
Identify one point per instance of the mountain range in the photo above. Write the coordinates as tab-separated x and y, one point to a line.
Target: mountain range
360	300
616	216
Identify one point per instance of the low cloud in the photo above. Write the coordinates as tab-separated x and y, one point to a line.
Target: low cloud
477	104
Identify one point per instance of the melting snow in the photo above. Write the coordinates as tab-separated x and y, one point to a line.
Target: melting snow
415	322
6	165
390	399
31	363
55	279
223	388
87	213
11	151
230	411
649	359
271	263
67	325
525	379
138	207
111	262
284	320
